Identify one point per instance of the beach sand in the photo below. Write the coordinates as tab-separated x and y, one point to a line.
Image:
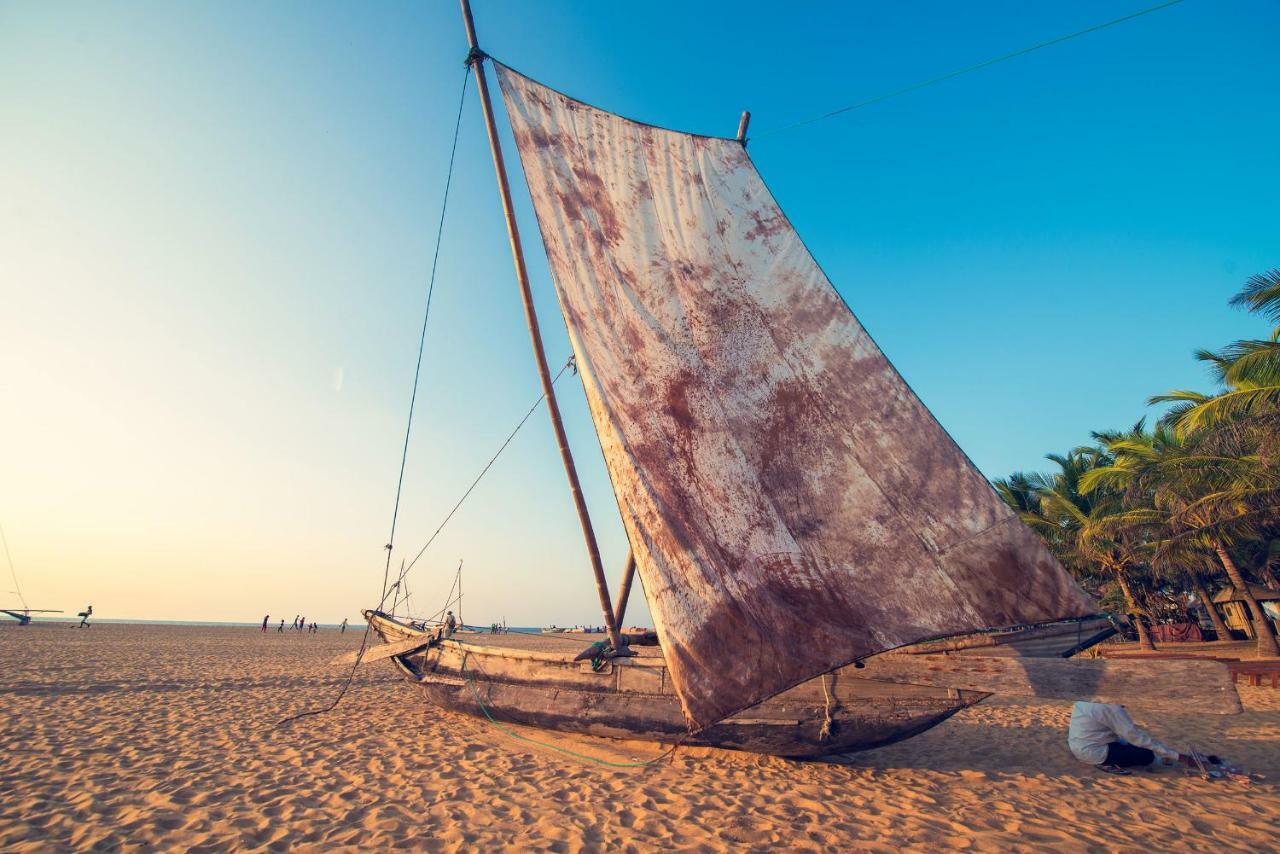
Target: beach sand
160	737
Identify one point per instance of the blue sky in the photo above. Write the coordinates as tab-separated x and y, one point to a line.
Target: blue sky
217	221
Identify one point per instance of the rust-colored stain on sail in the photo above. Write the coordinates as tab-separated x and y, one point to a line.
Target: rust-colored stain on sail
791	503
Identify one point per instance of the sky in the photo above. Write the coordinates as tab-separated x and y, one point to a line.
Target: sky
217	222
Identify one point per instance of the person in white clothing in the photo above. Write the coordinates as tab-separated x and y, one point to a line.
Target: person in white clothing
1103	734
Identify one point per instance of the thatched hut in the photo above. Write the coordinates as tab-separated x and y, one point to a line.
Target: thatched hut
1236	611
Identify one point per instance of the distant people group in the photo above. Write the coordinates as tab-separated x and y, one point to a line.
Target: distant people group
300	624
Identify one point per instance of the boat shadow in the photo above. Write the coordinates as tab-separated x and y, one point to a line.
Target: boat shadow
1028	747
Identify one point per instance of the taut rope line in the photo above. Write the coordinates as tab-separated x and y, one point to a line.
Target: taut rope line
953	74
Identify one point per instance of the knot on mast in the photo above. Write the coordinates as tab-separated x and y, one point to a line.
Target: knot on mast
475	56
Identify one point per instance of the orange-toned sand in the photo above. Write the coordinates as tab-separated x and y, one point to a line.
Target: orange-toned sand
160	737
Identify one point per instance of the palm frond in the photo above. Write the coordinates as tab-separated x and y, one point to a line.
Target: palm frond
1229	407
1252	362
1261	295
1218	364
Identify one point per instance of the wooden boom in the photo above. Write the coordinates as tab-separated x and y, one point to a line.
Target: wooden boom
1176	686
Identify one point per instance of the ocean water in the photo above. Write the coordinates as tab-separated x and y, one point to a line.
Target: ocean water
356	623
95	619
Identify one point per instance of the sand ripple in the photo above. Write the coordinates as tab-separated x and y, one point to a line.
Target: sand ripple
141	736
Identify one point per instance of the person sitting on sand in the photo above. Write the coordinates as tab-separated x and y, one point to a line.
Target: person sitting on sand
449	624
1104	735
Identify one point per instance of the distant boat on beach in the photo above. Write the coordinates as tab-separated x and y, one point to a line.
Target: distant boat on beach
793	508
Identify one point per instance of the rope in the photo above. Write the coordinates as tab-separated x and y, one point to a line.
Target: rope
827	720
364	641
529	414
404	453
17	588
422	338
471	684
953	74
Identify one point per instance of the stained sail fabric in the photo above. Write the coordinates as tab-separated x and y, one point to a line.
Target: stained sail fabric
791	503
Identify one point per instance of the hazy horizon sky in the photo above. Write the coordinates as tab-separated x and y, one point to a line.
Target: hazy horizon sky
217	219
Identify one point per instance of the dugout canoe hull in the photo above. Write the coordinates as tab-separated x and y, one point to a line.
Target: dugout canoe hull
632	698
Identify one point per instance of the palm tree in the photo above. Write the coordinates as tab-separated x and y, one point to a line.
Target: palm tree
1072	523
1248	371
1190	494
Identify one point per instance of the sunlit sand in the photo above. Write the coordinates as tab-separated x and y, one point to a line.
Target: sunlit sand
161	737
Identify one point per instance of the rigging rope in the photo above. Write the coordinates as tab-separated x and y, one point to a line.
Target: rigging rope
953	74
404	453
568	364
17	588
422	339
364	640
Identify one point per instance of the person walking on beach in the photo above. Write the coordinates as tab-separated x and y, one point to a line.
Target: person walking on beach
295	621
1104	735
281	629
264	622
344	626
84	617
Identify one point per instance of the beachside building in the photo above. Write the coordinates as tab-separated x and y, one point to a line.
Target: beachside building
1235	611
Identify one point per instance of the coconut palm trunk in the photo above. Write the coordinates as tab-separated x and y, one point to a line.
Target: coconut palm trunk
1219	624
1139	622
1262	628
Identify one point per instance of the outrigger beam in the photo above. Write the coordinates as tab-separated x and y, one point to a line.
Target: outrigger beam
624	591
477	57
23	615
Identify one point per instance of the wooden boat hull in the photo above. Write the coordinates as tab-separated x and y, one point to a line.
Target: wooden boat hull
633	699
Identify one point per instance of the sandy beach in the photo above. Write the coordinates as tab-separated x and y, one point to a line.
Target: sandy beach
124	736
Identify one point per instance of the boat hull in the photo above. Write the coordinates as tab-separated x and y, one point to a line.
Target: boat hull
633	699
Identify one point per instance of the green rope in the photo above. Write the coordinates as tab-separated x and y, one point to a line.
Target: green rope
576	755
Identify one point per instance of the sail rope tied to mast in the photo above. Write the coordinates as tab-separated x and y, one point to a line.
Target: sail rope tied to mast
426	316
413	397
569	363
915	87
387	591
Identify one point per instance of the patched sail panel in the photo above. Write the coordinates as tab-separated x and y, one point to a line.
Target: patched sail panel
791	503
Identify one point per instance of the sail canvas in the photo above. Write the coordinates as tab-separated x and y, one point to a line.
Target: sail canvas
791	503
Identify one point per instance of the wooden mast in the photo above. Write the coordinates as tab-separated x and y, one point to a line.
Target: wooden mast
743	124
477	57
624	591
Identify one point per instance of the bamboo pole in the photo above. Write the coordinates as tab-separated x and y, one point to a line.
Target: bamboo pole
535	333
624	591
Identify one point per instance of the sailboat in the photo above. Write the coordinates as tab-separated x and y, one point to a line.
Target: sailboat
801	522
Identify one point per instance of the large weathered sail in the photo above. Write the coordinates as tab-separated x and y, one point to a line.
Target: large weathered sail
791	503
